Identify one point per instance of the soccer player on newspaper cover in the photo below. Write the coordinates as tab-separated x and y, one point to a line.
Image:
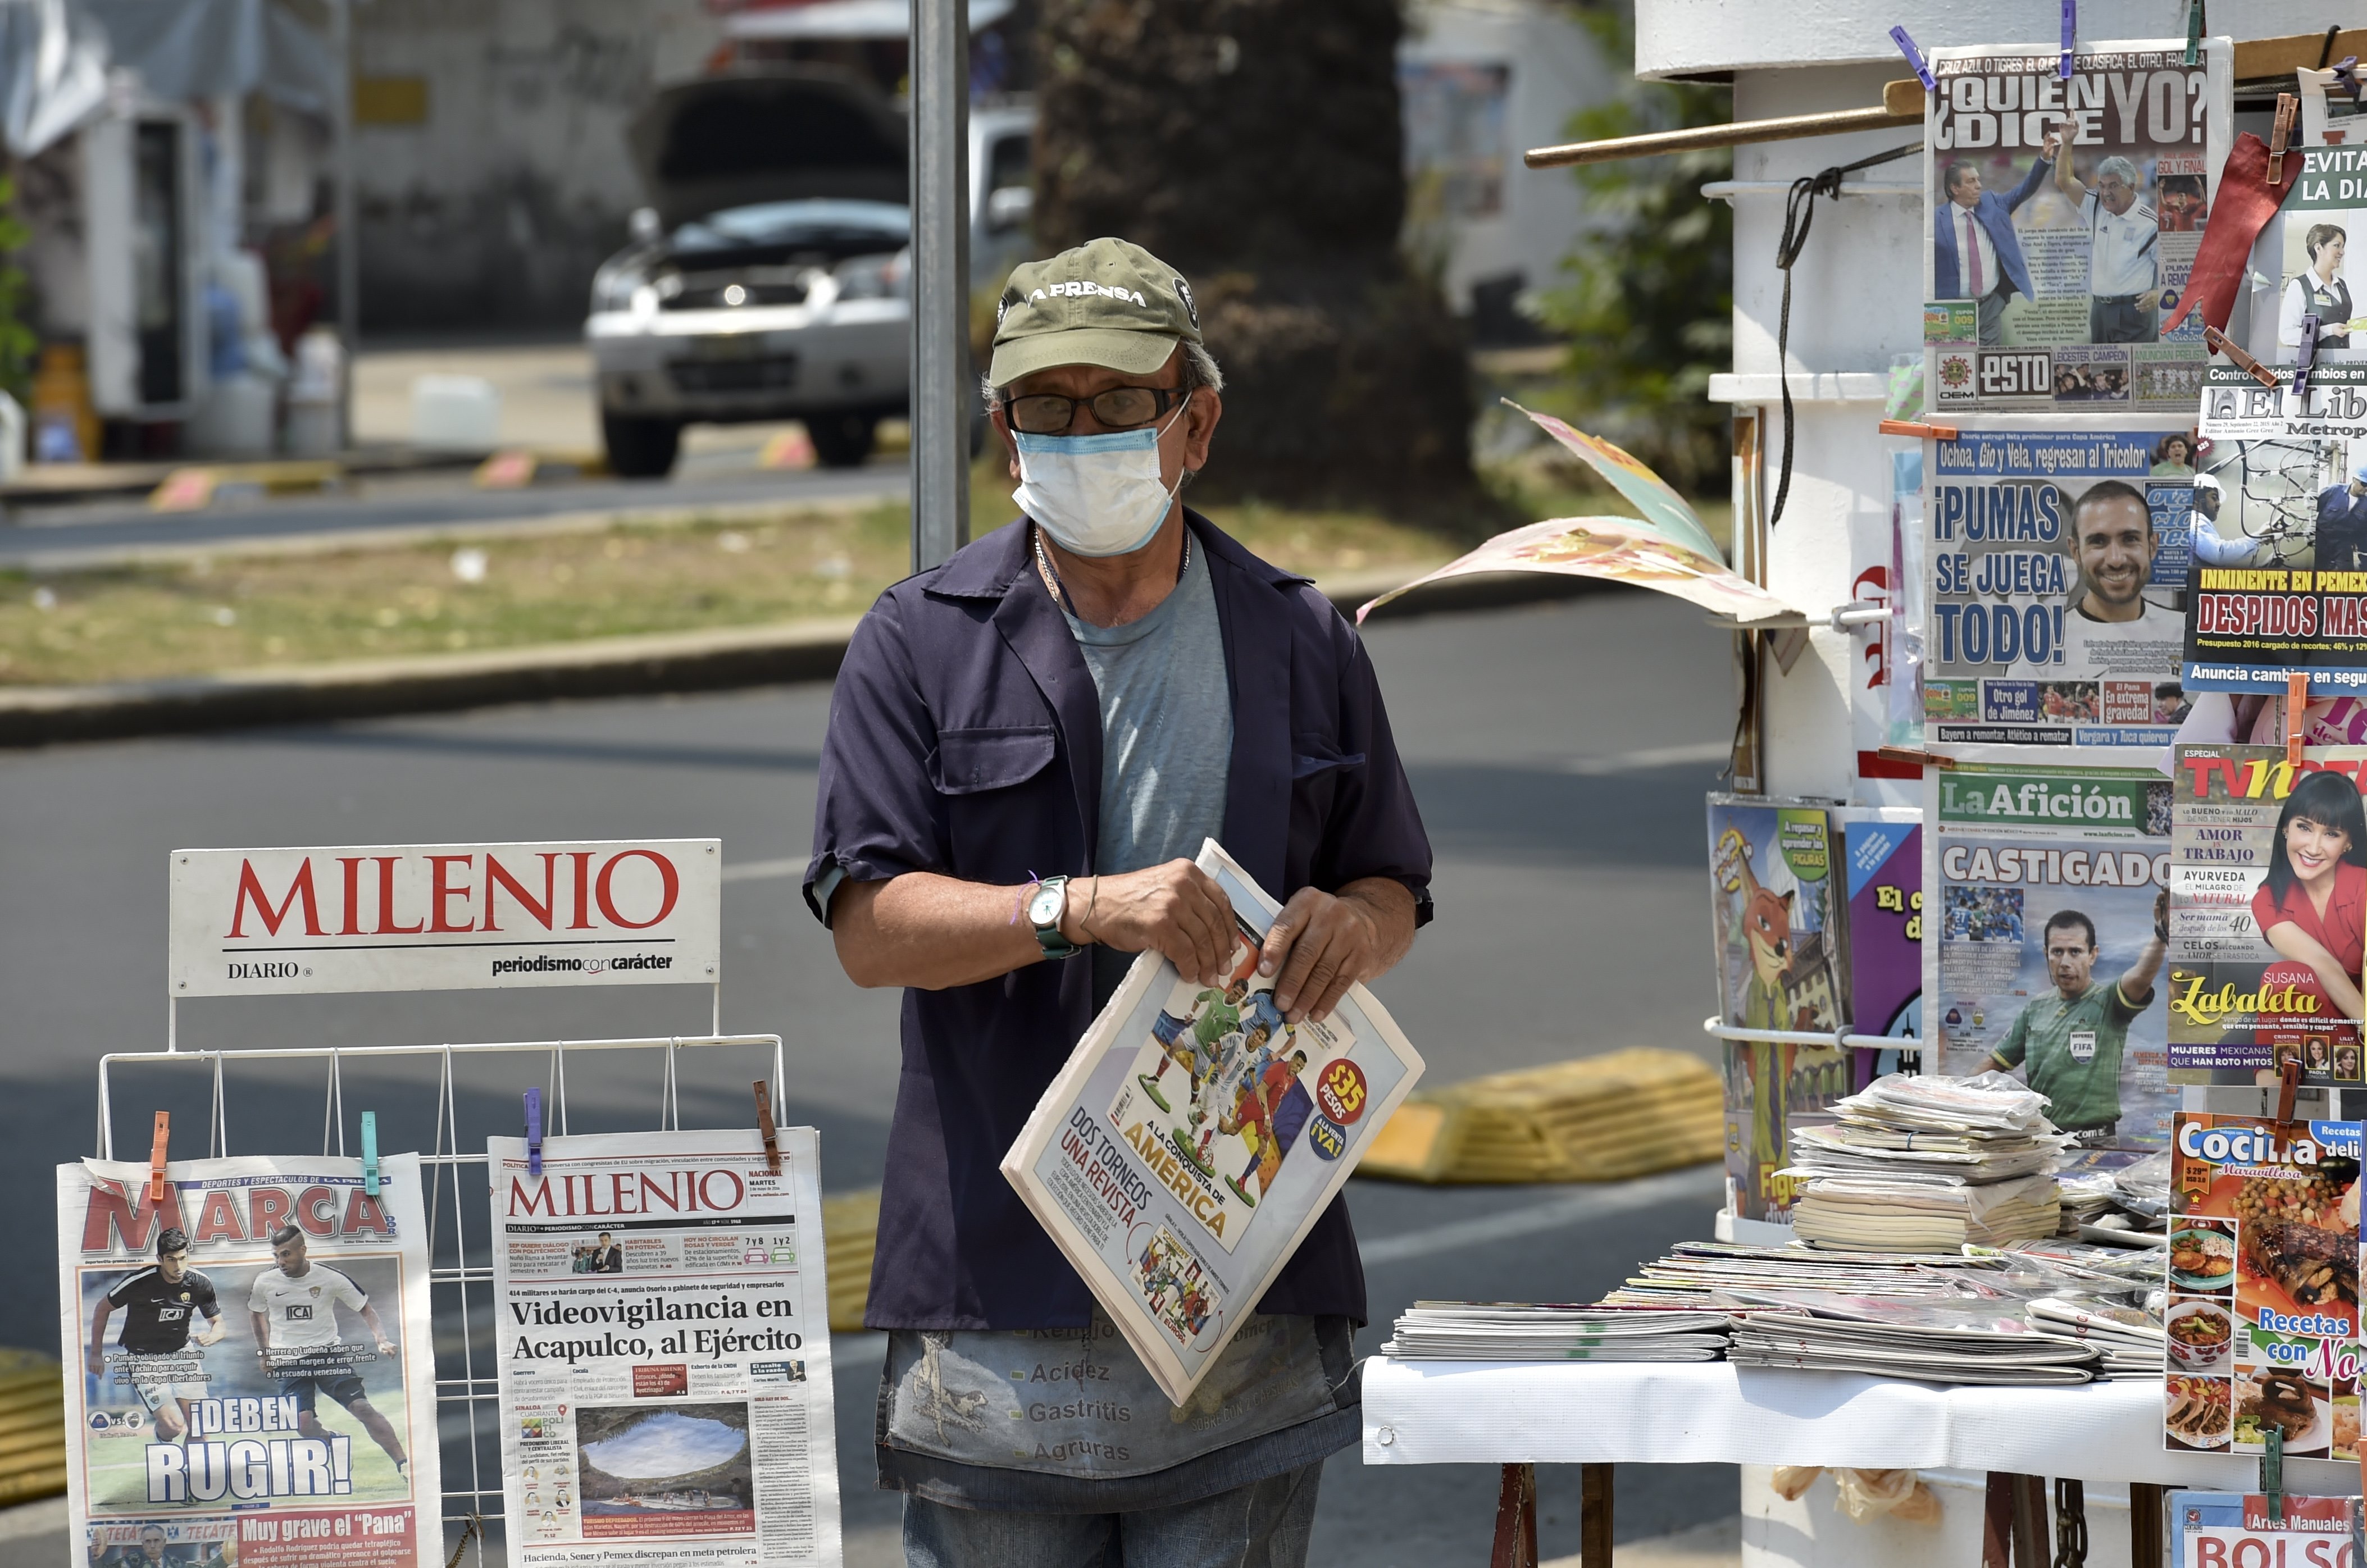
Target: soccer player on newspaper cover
1027	745
158	1303
297	1339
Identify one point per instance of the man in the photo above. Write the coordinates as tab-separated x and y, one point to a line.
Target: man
1081	697
2123	249
2069	1045
1978	255
607	1257
2341	538
152	1547
2113	545
157	1304
296	1339
1273	1108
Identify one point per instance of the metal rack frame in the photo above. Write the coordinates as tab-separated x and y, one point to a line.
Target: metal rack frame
473	1509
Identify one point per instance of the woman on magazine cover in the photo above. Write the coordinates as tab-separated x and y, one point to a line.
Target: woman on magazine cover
2313	906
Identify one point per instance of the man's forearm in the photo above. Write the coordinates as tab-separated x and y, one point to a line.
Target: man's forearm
931	931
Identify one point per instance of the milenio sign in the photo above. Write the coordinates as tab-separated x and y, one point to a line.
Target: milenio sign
445	917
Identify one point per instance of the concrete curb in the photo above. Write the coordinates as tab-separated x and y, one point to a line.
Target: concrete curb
606	667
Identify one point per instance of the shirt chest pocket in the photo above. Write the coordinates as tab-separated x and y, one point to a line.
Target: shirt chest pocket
999	785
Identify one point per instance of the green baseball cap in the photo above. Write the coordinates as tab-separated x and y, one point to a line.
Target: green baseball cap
1107	302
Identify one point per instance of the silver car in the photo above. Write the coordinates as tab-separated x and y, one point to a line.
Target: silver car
770	280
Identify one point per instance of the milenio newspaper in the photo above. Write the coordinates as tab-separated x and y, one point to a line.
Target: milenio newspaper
1195	1137
661	1316
256	1378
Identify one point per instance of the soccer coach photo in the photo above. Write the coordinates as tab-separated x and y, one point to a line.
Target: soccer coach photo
1027	743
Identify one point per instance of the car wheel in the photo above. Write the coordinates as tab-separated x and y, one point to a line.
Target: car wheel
640	448
841	440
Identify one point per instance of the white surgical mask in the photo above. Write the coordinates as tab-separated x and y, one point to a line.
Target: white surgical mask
1096	495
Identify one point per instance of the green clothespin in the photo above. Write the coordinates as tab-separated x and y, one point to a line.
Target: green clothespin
2273	1474
2194	32
369	1152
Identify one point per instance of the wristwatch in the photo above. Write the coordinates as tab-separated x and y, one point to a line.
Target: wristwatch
1044	912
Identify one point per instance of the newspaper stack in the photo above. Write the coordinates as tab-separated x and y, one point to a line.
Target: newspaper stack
1520	1331
2133	1340
1929	1164
1925	1341
1695	1273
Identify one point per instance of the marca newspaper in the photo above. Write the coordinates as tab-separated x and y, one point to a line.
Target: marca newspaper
662	1325
264	1396
1195	1137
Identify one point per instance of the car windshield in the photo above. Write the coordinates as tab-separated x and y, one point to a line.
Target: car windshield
822	229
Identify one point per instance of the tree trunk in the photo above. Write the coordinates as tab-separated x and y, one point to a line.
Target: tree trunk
1254	146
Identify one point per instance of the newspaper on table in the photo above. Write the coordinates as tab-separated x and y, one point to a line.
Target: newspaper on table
662	1316
264	1391
2066	213
2049	901
2264	1317
2264	966
2055	556
1195	1137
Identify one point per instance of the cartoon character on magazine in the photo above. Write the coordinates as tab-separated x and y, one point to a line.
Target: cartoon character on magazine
1268	1114
1764	921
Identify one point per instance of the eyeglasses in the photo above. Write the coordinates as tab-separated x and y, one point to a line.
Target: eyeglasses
1120	408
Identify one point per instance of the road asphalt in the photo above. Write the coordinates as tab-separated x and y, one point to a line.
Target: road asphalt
1558	752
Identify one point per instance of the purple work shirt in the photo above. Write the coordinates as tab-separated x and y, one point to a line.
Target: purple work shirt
964	739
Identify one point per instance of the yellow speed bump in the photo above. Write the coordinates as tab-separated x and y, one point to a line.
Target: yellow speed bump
1606	1117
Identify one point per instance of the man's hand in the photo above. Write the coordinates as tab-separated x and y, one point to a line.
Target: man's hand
386	1346
1318	947
97	1362
2052	145
2149	299
1175	910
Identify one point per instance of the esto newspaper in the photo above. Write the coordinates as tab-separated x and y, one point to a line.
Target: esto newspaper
1195	1137
258	1380
662	1320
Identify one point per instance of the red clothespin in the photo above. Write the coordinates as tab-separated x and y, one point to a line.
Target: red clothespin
1917	758
1916	427
2218	342
764	1125
2288	1085
2296	706
156	1159
2288	106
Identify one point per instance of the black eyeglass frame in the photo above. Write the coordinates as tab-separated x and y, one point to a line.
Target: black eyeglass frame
1162	399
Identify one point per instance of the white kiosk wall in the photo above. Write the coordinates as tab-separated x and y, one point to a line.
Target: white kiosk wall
1856	297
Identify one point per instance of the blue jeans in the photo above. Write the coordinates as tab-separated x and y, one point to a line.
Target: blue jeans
1262	1525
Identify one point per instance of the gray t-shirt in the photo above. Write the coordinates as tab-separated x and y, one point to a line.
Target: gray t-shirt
1167	738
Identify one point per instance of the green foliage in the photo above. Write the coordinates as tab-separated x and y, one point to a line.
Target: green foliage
18	342
1648	306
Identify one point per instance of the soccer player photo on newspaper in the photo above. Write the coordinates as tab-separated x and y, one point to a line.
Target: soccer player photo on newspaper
257	1376
1195	1136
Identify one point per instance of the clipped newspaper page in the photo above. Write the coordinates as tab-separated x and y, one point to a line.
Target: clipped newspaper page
258	1379
662	1325
1194	1137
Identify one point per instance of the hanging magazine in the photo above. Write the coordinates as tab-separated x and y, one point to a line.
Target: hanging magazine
2220	1529
1195	1137
251	1377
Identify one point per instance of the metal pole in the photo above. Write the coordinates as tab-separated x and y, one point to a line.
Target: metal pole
941	402
349	268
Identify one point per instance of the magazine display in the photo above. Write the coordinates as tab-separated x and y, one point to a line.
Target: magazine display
2052	902
2053	561
2302	269
2263	967
2218	1530
2263	1317
266	1391
1195	1137
1777	928
664	1352
2064	217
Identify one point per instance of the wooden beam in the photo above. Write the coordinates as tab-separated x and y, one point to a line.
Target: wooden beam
2263	57
1902	104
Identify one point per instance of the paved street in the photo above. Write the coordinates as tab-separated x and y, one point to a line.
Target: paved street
1558	752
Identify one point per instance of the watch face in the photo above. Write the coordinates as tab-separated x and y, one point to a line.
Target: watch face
1044	910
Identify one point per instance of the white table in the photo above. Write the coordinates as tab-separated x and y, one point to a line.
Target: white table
1522	1413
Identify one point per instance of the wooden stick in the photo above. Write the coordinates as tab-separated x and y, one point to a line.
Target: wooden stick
1902	104
2257	59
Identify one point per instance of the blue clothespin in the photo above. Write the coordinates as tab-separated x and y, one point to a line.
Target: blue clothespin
2194	32
2307	357
2070	28
2272	1473
2346	76
1914	58
369	1152
534	1132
